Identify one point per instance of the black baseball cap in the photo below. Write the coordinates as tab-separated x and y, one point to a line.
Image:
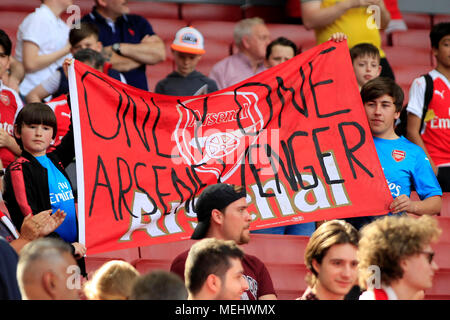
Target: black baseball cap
216	196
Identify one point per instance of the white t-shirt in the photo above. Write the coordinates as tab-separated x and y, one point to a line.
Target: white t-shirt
417	92
50	34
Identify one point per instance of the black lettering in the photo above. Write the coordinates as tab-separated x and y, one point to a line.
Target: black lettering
107	184
120	99
158	192
255	171
349	151
177	181
313	92
303	111
155	138
294	164
154	206
123	191
321	155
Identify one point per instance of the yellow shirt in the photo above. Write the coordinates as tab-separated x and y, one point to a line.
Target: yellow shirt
356	23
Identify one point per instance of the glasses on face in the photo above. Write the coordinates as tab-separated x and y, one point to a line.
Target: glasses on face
430	255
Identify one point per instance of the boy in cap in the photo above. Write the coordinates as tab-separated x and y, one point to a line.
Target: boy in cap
222	214
187	49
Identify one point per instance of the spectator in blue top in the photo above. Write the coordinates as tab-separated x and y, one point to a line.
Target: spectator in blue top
128	39
405	165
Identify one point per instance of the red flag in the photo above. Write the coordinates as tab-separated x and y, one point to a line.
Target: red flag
296	136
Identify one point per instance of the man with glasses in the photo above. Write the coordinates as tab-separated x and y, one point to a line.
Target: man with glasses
396	257
405	165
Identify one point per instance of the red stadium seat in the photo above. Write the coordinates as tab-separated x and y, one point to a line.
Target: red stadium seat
160	256
405	75
166	28
23	5
412	38
304	39
205	11
10	22
444	223
441	285
270	14
399	56
441	18
95	261
153	9
215	30
445	210
417	20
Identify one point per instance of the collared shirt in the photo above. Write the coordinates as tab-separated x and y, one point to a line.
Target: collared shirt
50	34
233	69
129	28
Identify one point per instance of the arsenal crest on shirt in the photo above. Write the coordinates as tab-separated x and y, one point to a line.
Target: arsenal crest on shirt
398	155
5	99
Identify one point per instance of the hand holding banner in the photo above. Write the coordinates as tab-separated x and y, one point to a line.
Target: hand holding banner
296	136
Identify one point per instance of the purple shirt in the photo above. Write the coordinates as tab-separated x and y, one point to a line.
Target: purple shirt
233	69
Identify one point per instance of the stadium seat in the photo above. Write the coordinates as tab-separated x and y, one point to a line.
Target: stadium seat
160	256
154	9
417	20
441	18
95	261
304	39
166	28
270	14
415	38
399	56
444	223
215	30
445	210
22	6
441	285
207	11
10	22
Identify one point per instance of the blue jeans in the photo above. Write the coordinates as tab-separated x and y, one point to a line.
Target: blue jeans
302	229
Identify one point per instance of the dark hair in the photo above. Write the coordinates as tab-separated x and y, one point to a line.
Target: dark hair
439	31
35	113
364	49
85	30
94	58
380	86
282	41
159	285
209	256
327	235
5	41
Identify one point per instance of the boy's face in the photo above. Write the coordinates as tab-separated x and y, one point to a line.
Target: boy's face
185	62
338	271
280	54
442	54
90	42
381	114
36	138
366	68
4	61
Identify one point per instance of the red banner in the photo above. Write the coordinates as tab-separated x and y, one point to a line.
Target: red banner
296	136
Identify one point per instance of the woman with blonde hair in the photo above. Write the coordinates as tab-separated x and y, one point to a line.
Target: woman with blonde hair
112	281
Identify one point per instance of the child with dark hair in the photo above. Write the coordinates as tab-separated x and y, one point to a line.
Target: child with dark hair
429	125
366	62
37	181
280	50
